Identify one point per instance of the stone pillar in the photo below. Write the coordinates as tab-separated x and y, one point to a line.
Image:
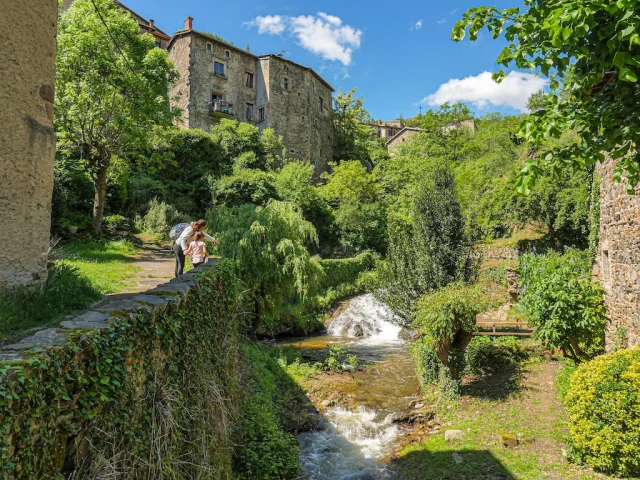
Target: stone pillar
27	141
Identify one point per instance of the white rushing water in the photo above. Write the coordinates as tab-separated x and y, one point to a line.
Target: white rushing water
353	444
369	318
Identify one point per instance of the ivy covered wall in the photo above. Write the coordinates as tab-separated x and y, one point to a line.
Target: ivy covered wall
145	387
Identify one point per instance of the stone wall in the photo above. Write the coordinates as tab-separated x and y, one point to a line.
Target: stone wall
618	257
120	372
398	140
180	94
27	141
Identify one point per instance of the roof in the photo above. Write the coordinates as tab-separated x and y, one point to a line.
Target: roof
143	22
180	33
397	135
299	65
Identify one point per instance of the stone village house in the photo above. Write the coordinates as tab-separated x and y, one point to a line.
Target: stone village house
219	80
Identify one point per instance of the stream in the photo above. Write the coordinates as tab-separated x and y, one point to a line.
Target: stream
355	441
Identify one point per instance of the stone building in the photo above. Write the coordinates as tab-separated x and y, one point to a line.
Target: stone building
219	80
402	136
387	129
27	141
618	258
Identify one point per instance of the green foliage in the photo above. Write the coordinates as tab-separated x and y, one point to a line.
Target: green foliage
355	136
184	159
244	186
484	356
428	364
339	356
293	184
72	193
268	248
594	217
559	300
563	380
494	275
588	51
109	98
603	404
65	291
359	212
236	139
427	247
161	217
264	448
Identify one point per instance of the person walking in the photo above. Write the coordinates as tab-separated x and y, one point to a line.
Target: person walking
198	250
181	245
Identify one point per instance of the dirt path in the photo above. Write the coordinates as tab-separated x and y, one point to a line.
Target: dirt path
157	263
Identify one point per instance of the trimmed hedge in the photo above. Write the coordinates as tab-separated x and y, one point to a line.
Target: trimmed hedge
603	404
338	271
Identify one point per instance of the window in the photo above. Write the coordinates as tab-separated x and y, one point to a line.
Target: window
216	97
227	54
209	47
249	79
261	114
391	133
218	69
249	111
286	83
321	104
158	44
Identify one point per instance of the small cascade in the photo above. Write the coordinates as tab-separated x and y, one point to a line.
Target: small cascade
366	317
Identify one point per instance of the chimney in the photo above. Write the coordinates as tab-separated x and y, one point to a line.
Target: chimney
188	23
151	25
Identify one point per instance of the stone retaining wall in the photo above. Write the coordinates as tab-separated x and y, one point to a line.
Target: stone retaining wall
67	392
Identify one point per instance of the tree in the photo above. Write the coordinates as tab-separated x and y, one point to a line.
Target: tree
244	186
589	51
353	194
428	248
111	90
268	247
355	134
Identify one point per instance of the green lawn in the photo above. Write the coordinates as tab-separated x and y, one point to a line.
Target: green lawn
84	272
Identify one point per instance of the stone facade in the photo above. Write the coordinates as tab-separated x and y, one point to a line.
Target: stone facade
395	142
387	129
618	258
219	80
27	141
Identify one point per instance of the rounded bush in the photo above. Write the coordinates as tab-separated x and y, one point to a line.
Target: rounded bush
603	405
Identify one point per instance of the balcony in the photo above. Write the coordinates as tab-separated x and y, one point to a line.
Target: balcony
220	109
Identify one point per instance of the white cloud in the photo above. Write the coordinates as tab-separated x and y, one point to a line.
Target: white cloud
481	91
418	25
441	21
322	34
271	24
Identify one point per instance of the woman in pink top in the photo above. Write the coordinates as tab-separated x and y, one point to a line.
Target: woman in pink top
197	249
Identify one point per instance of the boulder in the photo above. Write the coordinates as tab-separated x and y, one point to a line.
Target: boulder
508	439
454	435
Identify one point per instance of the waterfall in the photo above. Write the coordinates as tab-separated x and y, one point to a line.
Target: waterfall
366	317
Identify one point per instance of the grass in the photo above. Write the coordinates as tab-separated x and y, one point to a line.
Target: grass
84	272
532	411
103	262
529	232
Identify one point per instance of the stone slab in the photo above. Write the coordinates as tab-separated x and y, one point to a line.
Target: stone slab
51	337
180	287
121	305
155	300
90	319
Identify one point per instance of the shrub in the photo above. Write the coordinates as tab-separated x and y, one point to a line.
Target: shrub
494	275
161	217
346	270
446	319
428	364
244	186
115	222
484	356
603	404
562	304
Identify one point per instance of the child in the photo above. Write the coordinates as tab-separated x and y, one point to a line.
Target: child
197	249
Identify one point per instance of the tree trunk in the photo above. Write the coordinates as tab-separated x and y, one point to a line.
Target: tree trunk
100	184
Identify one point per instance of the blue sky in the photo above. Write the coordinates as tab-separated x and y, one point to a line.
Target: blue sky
398	54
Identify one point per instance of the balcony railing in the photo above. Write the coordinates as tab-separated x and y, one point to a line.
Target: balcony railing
220	108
